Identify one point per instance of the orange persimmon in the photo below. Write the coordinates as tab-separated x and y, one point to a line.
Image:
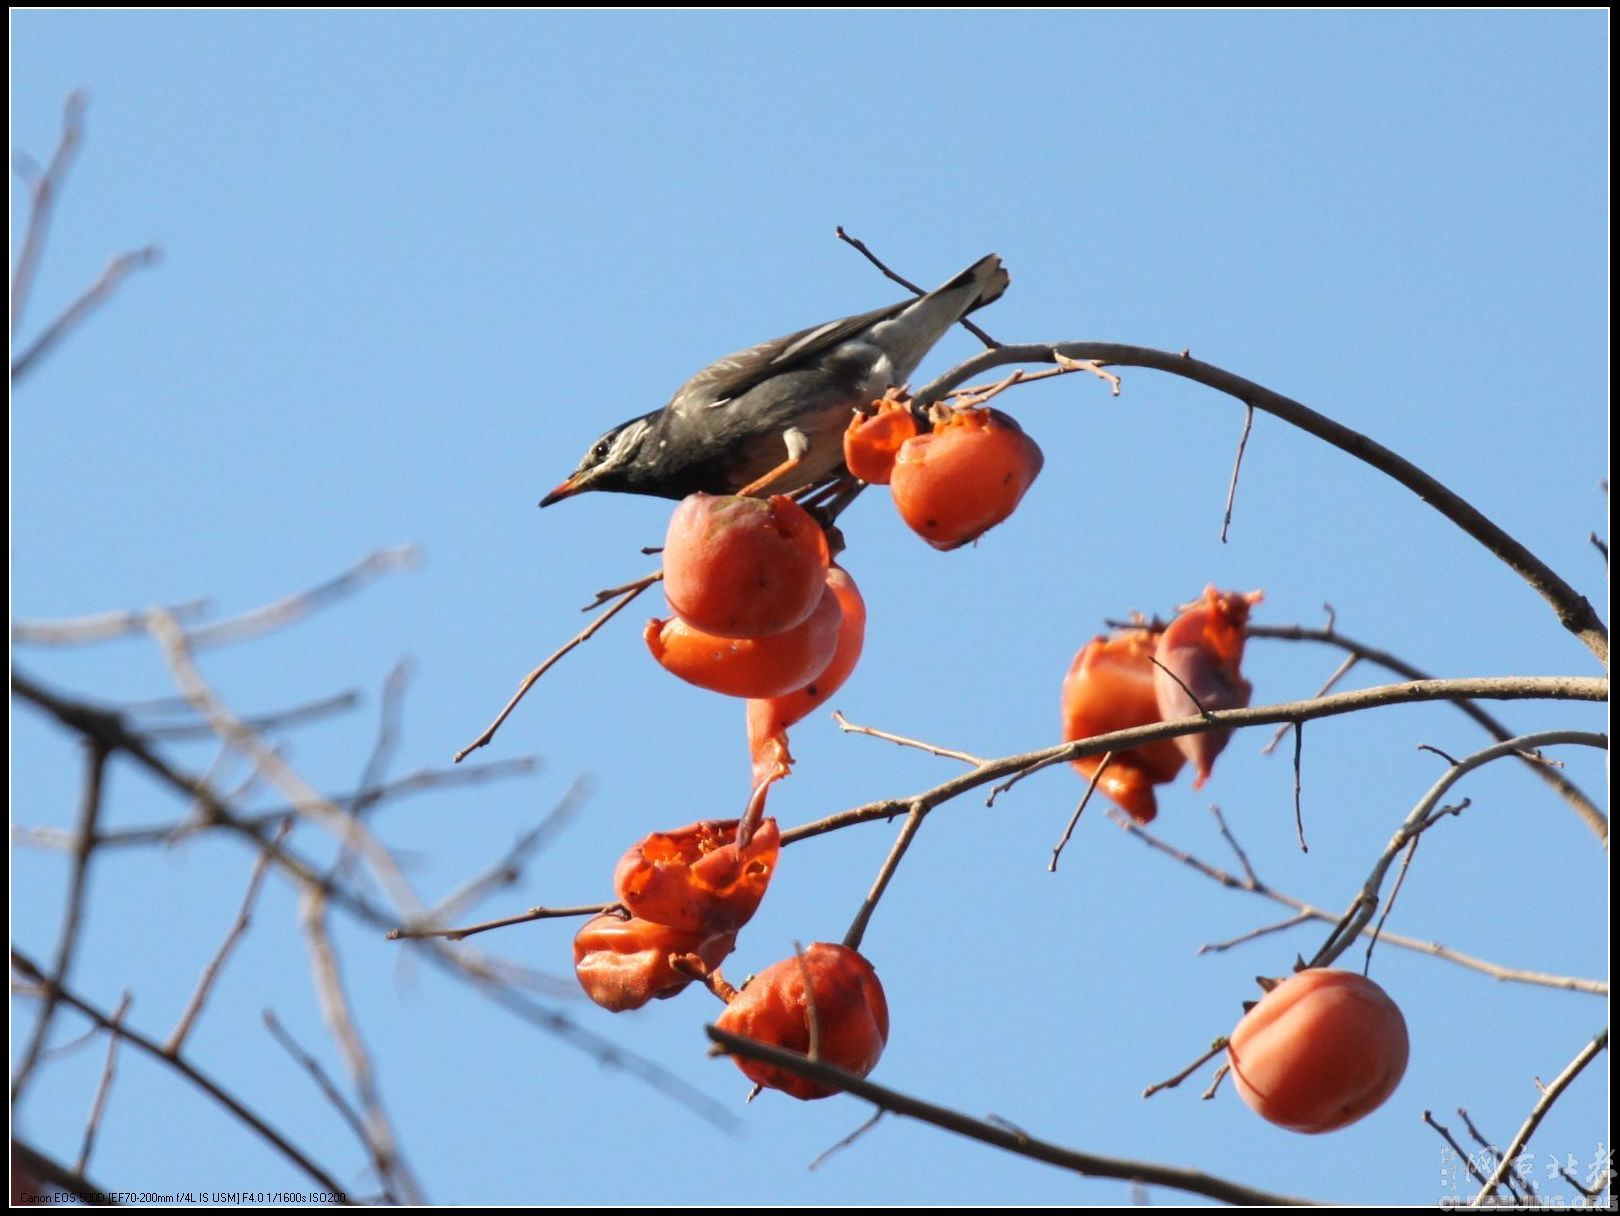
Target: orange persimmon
1110	687
955	484
743	567
873	440
850	1011
749	667
1319	1051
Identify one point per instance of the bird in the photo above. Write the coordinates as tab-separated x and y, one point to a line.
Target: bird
771	419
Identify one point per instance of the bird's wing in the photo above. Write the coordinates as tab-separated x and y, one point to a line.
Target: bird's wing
732	376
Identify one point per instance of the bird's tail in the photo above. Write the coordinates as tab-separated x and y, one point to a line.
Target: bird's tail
908	335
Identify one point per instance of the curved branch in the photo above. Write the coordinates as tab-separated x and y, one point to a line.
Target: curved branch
999	1135
1574	611
1505	688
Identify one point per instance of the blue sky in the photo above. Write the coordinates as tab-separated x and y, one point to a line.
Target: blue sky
413	263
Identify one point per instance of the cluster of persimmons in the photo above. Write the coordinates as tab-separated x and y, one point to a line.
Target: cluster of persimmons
762	612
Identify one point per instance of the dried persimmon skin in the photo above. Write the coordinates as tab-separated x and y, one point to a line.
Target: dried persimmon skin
697	878
624	963
1199	658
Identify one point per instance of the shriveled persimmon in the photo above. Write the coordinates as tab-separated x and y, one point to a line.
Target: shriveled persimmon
873	440
1110	687
624	963
769	719
955	484
749	667
1319	1051
697	878
843	1001
743	567
1199	656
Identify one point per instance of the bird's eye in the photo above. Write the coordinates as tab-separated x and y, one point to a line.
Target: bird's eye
600	451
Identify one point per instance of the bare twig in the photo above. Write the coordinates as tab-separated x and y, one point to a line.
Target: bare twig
902	842
1215	1049
1584	806
319	1075
188	1070
294	608
1299	815
1090	1165
417	932
43	186
1389	904
860	248
108	1070
100	627
117	270
1074	819
826	1154
381	1142
1308	912
1573	610
1237	465
627	594
1539	1111
1462	1154
67	944
244	917
950	753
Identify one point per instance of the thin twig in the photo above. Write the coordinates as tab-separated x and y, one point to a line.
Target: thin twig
100	627
932	749
826	1154
417	932
1462	1154
902	842
97	294
43	186
1584	806
1298	918
1254	886
1539	1111
1326	686
1516	1182
860	248
1215	1049
244	917
319	1075
1299	815
626	596
97	1107
1074	819
294	608
1389	904
1237	465
188	1070
67	943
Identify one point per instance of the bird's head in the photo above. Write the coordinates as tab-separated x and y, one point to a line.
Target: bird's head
616	461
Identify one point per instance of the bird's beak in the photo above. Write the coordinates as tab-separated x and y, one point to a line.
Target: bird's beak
566	490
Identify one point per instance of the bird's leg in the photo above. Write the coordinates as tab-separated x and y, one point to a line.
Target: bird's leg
798	447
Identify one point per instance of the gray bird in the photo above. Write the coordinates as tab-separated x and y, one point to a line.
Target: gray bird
771	419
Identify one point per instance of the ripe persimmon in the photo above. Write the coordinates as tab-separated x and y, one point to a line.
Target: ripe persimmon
850	1013
1319	1051
1110	687
1200	653
624	963
743	567
769	666
873	440
955	484
769	718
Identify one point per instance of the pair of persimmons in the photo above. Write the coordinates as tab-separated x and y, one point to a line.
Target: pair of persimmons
762	613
